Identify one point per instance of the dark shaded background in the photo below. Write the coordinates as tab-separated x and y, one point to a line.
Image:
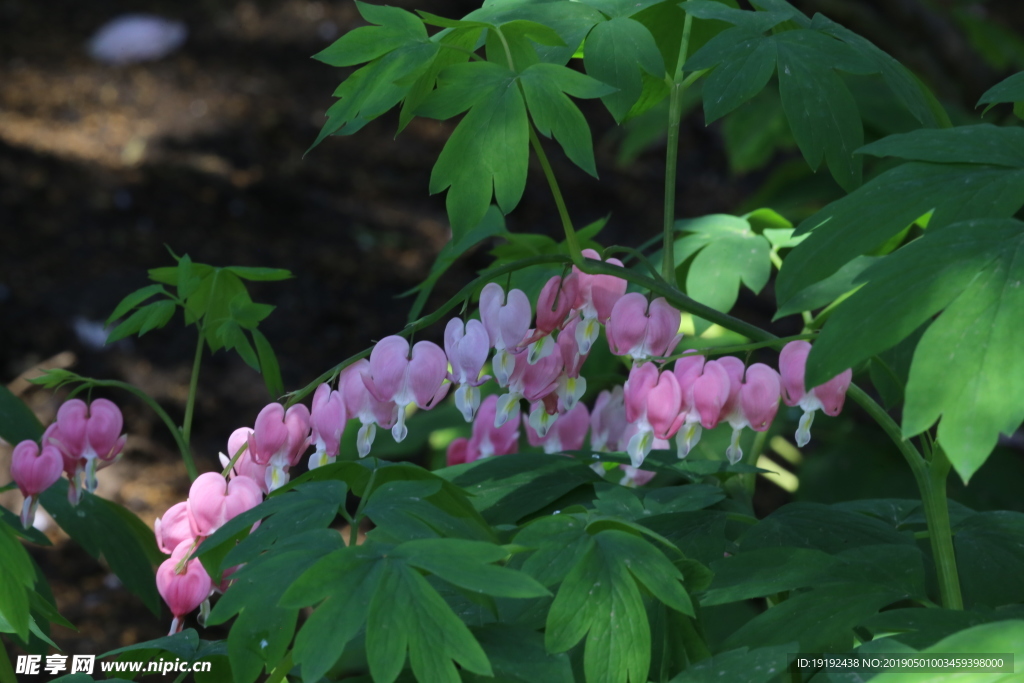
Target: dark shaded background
101	167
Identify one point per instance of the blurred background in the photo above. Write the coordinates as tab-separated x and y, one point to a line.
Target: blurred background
103	166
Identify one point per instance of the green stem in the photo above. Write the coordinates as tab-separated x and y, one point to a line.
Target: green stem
675	113
281	670
750	479
234	459
357	518
936	510
739	348
931	483
571	241
190	404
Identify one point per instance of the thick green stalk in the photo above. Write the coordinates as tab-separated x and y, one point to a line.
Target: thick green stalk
193	385
931	483
675	112
936	510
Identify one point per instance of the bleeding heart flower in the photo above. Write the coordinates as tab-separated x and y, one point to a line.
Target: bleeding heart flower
755	406
185	589
87	433
487	440
596	297
532	382
278	440
608	421
829	396
642	330
34	471
554	304
706	390
633	477
467	347
507	322
212	501
407	378
566	434
360	403
327	422
571	386
653	403
174	528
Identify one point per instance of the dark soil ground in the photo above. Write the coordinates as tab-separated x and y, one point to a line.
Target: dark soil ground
102	168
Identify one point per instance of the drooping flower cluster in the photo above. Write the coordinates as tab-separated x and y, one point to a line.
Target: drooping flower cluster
213	500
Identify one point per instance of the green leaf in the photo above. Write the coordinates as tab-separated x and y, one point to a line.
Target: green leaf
980	144
810	525
454	47
682	498
966	368
518	655
821	111
261	274
17	421
337	620
269	367
600	600
308	505
1008	90
376	88
742	665
756	132
130	326
989	550
395	28
618	51
910	91
824	292
545	87
505	490
467	564
106	529
728	252
488	150
231	336
134	299
407	613
766	571
158	315
820	620
886	205
757	22
999	637
744	71
559	541
571	20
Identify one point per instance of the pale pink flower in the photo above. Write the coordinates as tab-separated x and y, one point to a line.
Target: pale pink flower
416	378
278	440
183	590
213	501
360	403
566	434
507	321
595	299
532	382
467	347
608	421
487	440
174	528
34	471
86	434
828	397
327	422
641	329
245	466
755	406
